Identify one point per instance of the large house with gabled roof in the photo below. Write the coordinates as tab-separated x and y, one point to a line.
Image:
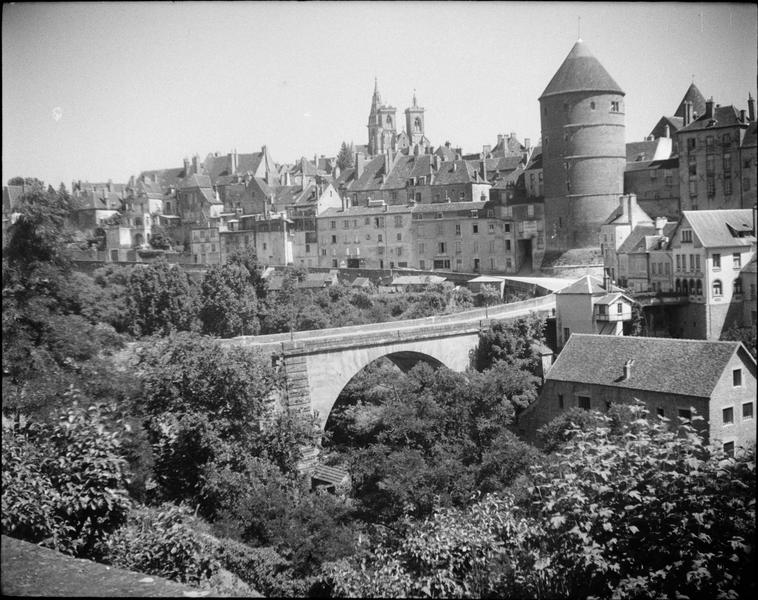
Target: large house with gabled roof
671	377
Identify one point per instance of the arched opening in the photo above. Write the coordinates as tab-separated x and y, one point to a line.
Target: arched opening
359	400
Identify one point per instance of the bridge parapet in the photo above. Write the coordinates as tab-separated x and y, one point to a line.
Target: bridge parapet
297	341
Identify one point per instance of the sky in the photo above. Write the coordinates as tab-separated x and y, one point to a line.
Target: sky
99	91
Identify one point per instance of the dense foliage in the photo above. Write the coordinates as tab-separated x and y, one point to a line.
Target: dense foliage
64	482
640	513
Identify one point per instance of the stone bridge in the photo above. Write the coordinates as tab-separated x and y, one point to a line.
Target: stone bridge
319	364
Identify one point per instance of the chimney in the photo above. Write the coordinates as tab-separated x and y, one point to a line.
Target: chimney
359	165
527	143
743	115
709	108
631	200
687	113
437	161
666	131
499	138
194	164
486	149
628	370
513	135
186	167
455	166
751	107
660	222
484	169
447	144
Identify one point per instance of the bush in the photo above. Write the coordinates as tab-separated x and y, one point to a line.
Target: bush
64	484
263	568
163	541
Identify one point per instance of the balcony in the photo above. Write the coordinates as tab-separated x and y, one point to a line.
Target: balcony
611	317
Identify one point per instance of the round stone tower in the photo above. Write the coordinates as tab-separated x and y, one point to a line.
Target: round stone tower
583	150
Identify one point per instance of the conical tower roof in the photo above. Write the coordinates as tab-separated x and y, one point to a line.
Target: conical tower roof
698	101
581	72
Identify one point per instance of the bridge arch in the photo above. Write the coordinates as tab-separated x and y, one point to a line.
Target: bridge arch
329	373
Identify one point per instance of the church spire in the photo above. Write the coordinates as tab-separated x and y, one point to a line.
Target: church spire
377	99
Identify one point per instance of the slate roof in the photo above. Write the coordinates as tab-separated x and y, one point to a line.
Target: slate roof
692	95
715	228
166	177
618	214
196	181
639	151
371	178
446	153
673	366
456	172
723	116
639	239
588	285
581	72
611	298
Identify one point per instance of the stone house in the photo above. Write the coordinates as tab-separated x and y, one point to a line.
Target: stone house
671	377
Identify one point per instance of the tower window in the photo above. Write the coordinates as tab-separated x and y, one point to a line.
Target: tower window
614	106
592	105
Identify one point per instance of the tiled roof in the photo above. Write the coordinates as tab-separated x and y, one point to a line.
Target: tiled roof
723	116
692	95
714	228
580	72
330	475
673	366
589	285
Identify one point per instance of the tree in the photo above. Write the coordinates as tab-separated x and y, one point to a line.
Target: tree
514	342
160	298
248	258
64	482
227	302
431	438
206	409
640	512
746	335
39	234
345	156
160	240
